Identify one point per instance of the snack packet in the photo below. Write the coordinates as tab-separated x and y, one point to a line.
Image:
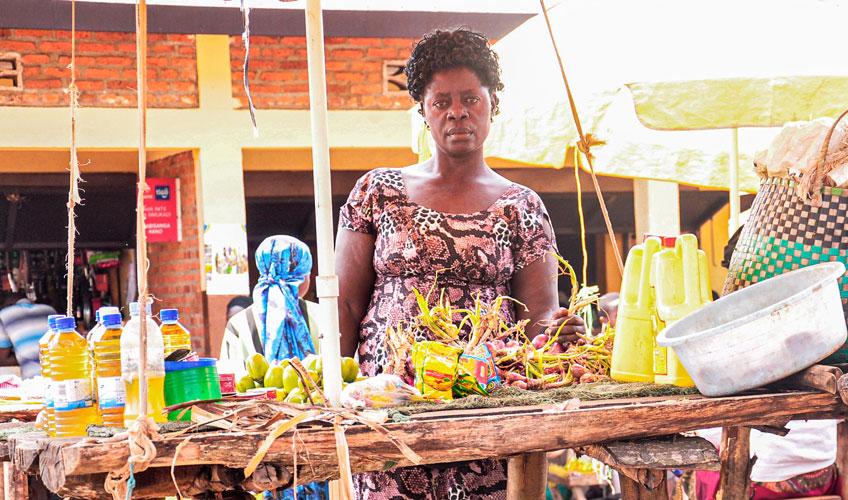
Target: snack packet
476	373
435	369
378	392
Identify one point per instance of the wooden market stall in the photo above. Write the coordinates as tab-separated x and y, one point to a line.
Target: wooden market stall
206	463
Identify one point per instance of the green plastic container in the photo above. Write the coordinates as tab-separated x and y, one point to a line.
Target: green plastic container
190	381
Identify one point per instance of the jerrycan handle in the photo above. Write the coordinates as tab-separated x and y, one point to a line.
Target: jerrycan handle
635	294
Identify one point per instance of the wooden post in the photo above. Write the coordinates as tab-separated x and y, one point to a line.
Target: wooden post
635	490
842	455
15	484
527	476
735	481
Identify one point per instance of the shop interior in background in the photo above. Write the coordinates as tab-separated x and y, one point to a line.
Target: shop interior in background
33	248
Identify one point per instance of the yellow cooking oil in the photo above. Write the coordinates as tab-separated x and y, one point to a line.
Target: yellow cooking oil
155	397
174	335
111	393
155	367
95	332
71	374
44	362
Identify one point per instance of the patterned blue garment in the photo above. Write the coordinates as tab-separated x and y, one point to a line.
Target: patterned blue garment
283	263
311	491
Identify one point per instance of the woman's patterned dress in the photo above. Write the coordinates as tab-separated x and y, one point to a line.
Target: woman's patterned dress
475	253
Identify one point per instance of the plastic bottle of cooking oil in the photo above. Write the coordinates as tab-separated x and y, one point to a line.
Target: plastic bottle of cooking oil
44	361
71	374
174	335
96	331
111	392
155	367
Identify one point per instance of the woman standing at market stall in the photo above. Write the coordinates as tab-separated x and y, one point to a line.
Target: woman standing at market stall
452	215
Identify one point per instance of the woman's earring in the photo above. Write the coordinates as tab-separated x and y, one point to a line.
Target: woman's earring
427	125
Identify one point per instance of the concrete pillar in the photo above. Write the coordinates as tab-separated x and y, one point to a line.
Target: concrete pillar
656	205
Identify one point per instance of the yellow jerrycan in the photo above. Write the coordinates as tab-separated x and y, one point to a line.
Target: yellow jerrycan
632	352
681	284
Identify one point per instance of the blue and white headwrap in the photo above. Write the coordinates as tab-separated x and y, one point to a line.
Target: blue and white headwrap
283	263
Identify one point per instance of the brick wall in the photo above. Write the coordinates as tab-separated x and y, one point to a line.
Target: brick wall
174	275
105	62
278	75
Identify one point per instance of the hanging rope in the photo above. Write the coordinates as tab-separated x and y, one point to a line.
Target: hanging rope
582	219
245	36
142	450
583	145
73	193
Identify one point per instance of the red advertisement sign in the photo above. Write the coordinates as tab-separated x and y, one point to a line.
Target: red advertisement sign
162	210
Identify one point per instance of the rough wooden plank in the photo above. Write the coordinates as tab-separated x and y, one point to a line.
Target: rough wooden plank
193	481
527	476
672	452
819	377
23	413
842	388
440	441
735	480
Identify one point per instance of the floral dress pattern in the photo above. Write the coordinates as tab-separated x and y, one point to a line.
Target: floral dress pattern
474	253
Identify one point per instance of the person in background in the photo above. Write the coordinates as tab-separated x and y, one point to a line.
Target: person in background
237	304
608	308
279	323
22	323
278	311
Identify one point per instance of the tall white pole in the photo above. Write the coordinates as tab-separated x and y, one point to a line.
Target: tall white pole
327	284
733	223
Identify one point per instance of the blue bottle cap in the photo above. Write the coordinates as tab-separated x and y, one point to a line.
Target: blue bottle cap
112	320
66	323
51	320
169	315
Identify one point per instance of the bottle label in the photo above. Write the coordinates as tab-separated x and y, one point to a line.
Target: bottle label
72	394
111	392
48	394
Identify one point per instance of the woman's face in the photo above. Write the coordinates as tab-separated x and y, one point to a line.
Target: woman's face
458	109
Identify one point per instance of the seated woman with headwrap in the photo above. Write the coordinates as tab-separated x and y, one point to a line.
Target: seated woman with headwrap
279	323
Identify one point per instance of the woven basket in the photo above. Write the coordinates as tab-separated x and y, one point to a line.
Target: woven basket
786	231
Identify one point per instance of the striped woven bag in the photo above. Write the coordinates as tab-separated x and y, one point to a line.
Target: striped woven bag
787	231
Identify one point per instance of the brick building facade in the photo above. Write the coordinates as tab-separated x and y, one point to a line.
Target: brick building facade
278	75
174	278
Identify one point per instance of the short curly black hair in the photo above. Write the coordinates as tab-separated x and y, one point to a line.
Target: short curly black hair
460	47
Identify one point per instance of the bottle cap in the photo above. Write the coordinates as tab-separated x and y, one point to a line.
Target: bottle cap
97	318
66	323
134	309
51	320
108	310
112	319
169	315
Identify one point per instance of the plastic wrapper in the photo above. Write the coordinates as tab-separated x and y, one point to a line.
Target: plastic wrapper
435	369
476	374
378	392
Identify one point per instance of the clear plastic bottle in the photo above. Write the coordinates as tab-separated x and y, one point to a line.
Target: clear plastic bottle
71	374
96	331
111	392
155	367
44	361
174	335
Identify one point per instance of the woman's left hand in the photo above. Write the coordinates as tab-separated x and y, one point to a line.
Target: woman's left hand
573	325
